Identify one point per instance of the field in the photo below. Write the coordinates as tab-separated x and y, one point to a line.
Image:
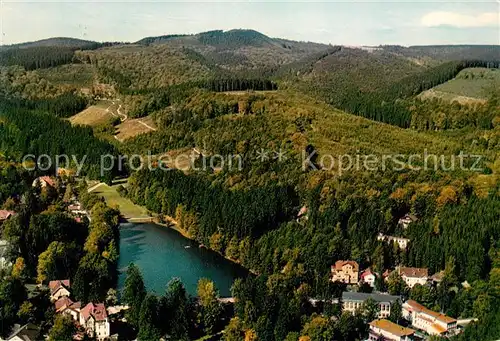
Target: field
73	75
471	85
128	209
134	127
93	115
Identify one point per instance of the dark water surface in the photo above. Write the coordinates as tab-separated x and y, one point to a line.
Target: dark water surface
162	254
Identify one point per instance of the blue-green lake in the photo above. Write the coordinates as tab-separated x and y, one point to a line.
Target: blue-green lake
162	254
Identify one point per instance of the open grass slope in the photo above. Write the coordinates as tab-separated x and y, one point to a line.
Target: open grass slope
128	209
94	115
473	82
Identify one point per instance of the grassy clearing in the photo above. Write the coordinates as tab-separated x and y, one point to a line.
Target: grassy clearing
92	116
127	208
472	82
134	127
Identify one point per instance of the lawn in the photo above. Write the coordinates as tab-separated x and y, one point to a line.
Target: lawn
127	208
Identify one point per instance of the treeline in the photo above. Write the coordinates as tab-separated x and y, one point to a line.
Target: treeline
41	57
176	94
24	131
438	114
32	58
384	105
206	209
62	106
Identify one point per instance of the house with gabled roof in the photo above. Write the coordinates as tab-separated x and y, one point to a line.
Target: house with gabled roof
368	277
345	271
94	318
431	322
59	288
65	305
5	214
407	220
44	181
413	276
28	332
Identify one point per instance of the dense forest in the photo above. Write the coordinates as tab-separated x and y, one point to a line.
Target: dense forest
26	128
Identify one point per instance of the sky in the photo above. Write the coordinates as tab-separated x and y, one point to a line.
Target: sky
346	22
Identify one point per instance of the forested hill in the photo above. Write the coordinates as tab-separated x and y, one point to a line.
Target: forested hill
54	42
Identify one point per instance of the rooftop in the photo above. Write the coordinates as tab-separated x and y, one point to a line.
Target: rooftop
414	272
361	297
55	285
392	328
340	263
97	311
28	332
420	308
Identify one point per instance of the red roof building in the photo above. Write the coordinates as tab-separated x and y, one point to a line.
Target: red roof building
4	214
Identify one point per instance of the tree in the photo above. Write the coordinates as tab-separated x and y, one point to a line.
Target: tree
370	310
134	293
63	329
148	319
211	308
396	312
396	285
234	330
19	269
26	312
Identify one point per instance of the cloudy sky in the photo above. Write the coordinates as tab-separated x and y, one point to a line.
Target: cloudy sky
345	22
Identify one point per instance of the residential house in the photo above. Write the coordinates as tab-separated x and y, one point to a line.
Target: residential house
94	318
302	214
407	220
413	276
4	215
44	181
351	301
28	332
427	320
59	289
386	330
345	271
76	209
400	241
65	305
368	277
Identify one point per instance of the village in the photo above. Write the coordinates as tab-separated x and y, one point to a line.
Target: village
417	322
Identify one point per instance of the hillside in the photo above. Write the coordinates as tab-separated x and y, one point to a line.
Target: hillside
54	42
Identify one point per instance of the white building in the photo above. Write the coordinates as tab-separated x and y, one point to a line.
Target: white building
413	276
386	330
352	301
402	242
94	318
368	277
59	289
427	320
407	220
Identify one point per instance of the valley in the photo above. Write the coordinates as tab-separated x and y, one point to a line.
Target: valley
284	157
